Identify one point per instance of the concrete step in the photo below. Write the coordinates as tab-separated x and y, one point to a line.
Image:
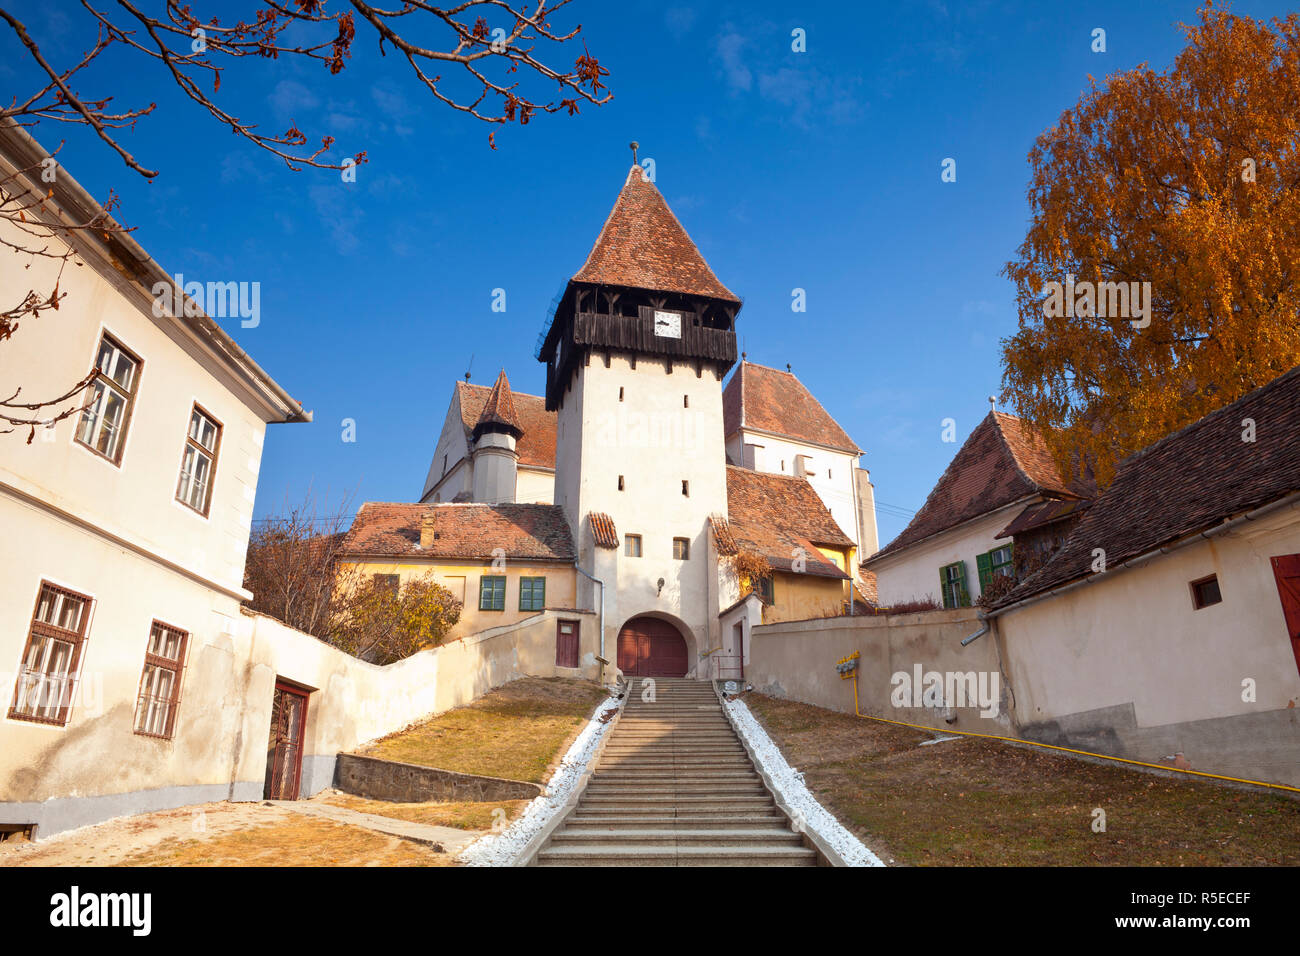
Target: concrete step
716	791
667	819
625	803
703	855
658	836
680	774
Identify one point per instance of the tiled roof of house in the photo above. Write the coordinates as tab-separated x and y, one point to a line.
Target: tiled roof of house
1001	462
1042	513
499	409
1185	483
471	531
774	401
722	536
643	246
603	530
536	446
773	515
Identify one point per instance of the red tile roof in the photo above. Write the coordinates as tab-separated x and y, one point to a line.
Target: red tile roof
773	515
499	409
536	446
722	536
472	531
1185	483
1002	461
773	401
643	246
603	530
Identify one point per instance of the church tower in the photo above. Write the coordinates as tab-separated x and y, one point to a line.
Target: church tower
635	356
496	435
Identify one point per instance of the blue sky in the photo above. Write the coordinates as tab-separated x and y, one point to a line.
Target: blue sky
817	170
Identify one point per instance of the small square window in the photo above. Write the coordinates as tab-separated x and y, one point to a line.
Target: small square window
681	548
632	545
1206	592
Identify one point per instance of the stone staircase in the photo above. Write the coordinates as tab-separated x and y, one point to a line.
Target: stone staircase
675	787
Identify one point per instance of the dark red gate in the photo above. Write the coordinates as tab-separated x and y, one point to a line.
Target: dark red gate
284	747
649	647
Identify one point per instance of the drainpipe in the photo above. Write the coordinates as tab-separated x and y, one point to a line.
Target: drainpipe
984	629
602	605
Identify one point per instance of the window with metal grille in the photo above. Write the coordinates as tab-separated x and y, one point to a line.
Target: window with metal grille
104	421
160	683
199	461
566	643
532	594
681	548
47	674
492	592
632	545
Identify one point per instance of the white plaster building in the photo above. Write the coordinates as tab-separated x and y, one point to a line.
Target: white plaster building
125	529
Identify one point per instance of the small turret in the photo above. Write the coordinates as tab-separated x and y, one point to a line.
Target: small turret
495	454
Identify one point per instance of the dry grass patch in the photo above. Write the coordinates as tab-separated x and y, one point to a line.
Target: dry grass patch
979	802
518	731
461	815
298	842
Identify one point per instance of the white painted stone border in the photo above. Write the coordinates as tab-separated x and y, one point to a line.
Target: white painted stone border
790	786
506	848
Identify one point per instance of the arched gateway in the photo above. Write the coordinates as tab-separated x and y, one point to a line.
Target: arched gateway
650	647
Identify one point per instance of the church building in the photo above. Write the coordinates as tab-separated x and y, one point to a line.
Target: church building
636	476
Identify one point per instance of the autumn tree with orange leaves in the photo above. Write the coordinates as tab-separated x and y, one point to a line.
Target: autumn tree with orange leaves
1188	179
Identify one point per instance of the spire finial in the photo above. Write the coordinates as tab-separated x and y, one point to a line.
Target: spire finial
993	403
788	368
634	146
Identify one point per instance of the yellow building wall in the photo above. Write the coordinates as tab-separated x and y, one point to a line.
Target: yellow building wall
797	597
463	582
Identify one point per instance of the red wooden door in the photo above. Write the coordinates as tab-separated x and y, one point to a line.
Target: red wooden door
649	647
1286	569
284	747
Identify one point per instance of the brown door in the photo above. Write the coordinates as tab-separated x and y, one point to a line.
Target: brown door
649	647
284	748
1286	568
566	644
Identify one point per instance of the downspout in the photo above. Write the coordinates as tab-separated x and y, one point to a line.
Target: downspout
602	607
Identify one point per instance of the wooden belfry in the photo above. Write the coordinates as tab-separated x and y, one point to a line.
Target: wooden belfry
644	290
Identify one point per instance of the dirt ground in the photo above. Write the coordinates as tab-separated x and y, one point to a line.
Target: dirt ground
968	801
221	834
518	731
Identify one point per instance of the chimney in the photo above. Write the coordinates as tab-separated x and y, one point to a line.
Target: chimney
428	525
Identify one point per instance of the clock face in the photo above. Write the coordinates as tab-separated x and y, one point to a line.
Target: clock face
668	324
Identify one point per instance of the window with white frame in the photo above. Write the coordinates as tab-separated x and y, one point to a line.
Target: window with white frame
199	461
104	421
160	683
47	674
